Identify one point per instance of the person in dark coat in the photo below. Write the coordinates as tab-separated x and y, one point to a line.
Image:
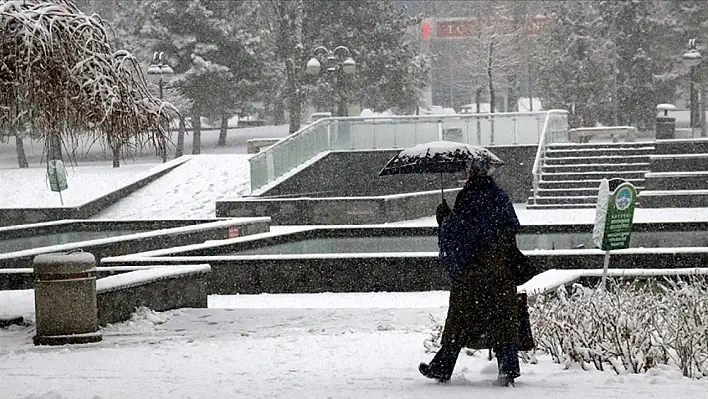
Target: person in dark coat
478	249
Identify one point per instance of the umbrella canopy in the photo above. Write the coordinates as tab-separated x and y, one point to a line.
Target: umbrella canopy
441	157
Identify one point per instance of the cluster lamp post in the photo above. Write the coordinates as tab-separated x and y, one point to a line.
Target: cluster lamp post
161	72
338	62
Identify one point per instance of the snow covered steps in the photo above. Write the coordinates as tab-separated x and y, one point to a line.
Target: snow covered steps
571	173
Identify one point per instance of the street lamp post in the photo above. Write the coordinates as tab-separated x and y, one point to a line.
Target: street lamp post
161	72
692	58
338	62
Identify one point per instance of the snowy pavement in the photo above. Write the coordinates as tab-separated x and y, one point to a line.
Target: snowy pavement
188	192
273	346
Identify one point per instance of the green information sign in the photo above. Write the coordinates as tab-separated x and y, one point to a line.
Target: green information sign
620	215
613	223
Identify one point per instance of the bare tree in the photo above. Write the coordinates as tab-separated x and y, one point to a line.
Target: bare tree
490	54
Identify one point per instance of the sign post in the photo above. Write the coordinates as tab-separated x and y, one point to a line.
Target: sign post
56	174
614	217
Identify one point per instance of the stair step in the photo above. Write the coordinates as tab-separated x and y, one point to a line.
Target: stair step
595	160
581	191
636	144
593	176
531	205
579	199
587	181
697	173
582	152
607	168
580	184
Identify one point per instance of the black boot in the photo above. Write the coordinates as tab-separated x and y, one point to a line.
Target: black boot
425	369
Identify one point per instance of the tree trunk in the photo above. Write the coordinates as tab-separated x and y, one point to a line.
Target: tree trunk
294	61
223	130
278	111
115	148
196	133
54	152
512	100
179	151
478	101
490	77
20	149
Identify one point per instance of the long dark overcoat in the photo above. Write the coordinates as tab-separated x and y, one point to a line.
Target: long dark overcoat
478	249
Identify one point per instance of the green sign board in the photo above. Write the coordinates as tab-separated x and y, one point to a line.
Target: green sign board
615	214
56	174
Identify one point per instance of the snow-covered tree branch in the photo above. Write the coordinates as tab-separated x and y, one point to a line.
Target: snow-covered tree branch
60	76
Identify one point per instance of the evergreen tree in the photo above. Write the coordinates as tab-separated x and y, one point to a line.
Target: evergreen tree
606	61
215	50
390	71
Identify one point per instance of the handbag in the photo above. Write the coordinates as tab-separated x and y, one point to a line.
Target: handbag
526	341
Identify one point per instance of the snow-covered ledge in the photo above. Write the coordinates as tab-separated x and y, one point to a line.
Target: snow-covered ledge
158	288
550	280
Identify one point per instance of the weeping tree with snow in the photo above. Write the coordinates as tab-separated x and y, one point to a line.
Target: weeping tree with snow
60	78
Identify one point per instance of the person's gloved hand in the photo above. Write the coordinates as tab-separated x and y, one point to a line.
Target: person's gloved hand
442	211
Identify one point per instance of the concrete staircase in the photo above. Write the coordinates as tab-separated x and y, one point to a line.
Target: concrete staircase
571	173
679	175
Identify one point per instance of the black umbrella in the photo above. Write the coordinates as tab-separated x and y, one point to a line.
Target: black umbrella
441	157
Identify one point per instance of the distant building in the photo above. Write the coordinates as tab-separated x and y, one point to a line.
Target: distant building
458	75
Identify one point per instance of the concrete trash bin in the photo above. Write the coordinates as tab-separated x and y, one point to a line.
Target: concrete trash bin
665	127
65	299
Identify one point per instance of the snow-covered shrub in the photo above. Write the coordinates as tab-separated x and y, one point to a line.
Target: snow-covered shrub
631	326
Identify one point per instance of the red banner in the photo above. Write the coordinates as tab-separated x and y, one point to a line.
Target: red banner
462	28
466	27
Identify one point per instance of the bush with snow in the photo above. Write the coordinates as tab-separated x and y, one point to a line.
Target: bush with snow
633	326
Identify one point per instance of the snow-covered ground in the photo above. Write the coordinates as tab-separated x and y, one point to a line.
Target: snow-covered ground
29	188
363	345
91	152
188	192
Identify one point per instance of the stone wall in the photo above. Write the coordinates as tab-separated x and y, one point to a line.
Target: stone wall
180	290
355	173
337	210
245	275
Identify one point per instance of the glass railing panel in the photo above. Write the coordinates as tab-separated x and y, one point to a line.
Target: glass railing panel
402	132
259	171
502	128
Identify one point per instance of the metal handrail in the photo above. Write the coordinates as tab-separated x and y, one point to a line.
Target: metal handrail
540	152
437	117
292	136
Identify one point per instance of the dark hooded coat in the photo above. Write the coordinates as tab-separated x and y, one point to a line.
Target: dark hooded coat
478	249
